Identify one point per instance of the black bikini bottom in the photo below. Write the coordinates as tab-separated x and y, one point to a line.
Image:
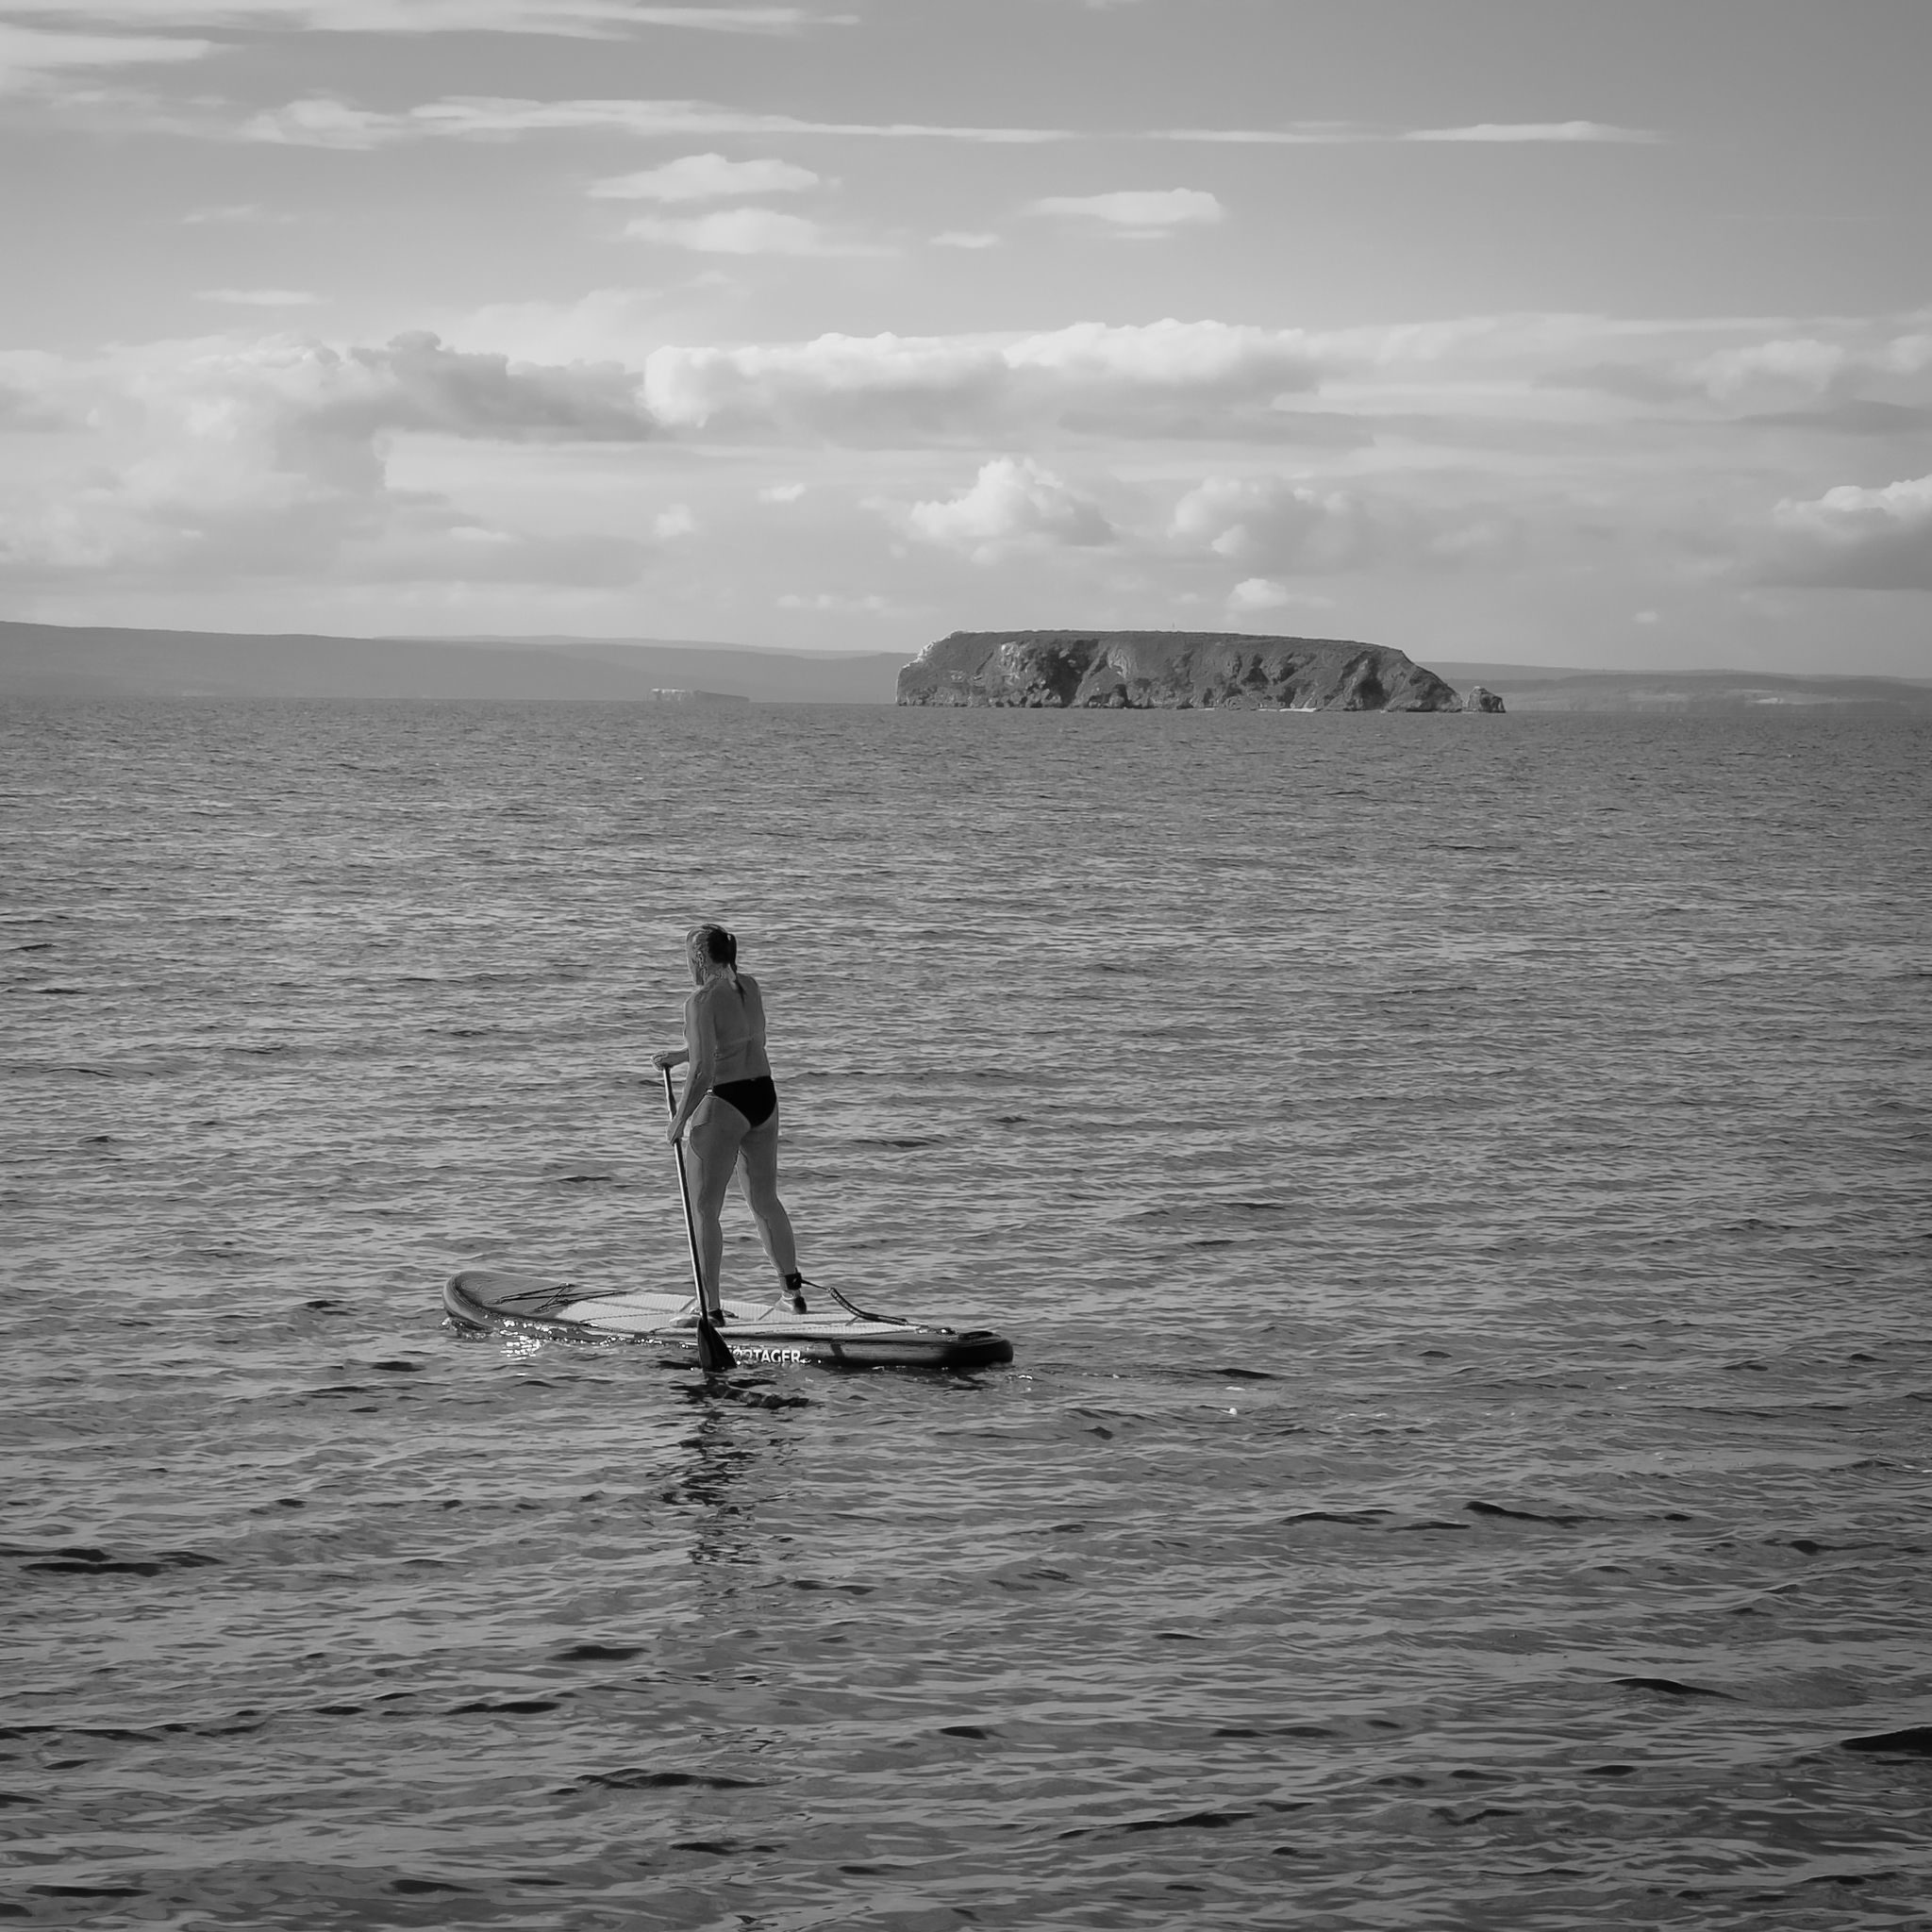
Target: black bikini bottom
757	1100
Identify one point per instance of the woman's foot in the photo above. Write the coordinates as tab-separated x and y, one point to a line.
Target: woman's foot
794	1291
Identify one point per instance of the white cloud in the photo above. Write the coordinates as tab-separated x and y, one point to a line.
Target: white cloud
707	177
1264	593
259	298
271	459
871	605
1536	131
1300	528
1172	354
233	212
1304	134
1013	504
29	56
1852	538
1138	211
781	492
321	121
1286	526
1802	362
1354	134
1169	377
674	521
30	397
738	231
1833	376
964	237
575	18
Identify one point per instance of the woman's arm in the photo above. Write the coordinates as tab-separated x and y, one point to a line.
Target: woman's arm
702	1053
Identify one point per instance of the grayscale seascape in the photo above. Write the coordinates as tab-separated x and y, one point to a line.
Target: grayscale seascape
1458	1189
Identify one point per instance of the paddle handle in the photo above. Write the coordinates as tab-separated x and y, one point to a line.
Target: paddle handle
690	1227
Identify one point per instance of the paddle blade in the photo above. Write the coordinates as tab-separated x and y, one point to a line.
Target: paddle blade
714	1352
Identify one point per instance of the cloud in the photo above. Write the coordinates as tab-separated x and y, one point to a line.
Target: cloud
27	398
1282	524
1264	593
870	605
675	520
707	177
323	122
1306	529
419	383
1014	505
1354	134
1536	131
259	298
781	492
962	238
1304	134
1844	377
1849	416
1138	211
1852	538
233	212
600	19
740	231
30	56
1804	364
1165	377
271	459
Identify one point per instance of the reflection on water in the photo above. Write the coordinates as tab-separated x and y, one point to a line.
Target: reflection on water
1456	1186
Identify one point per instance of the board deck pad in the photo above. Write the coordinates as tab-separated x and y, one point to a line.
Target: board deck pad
757	1331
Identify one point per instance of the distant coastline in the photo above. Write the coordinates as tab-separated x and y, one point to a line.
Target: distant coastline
1552	688
105	661
53	660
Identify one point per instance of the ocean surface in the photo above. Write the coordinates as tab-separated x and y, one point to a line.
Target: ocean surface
1460	1190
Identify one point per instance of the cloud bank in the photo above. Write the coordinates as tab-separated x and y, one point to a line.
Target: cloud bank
1178	465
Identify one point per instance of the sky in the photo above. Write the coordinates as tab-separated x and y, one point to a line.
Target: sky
1526	332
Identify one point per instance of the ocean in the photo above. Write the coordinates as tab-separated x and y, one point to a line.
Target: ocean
1458	1189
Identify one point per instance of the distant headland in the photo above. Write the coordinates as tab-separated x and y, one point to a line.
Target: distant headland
1175	671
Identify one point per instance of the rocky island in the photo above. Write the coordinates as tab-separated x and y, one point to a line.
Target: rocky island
1165	669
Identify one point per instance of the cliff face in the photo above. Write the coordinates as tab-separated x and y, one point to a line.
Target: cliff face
1160	670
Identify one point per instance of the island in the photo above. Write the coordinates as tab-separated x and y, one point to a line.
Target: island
1174	671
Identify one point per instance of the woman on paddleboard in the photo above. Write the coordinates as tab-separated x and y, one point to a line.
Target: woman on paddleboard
730	1108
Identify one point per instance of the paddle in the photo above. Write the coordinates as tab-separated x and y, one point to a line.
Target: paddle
714	1353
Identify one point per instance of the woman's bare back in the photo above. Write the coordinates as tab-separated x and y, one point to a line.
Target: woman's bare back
736	1024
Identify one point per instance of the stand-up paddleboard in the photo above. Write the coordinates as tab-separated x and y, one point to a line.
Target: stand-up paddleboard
834	1334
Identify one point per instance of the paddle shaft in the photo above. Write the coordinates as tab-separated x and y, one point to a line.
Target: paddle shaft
690	1226
714	1353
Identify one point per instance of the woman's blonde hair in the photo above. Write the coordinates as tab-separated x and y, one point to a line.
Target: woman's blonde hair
712	942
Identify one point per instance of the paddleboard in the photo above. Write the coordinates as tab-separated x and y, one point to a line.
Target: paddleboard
834	1334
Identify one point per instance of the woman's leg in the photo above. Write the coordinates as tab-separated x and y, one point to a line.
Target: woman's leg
758	1179
711	1152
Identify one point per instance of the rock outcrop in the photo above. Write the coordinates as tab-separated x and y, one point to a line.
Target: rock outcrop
1160	670
1481	698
